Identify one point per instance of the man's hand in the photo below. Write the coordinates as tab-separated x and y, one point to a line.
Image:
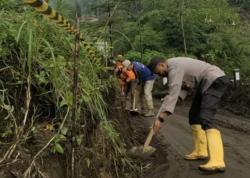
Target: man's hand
157	125
163	115
159	121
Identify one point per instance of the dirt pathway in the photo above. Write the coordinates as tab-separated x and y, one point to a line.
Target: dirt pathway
176	135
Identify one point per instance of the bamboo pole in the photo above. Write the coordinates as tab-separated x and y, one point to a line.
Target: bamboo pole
43	7
75	102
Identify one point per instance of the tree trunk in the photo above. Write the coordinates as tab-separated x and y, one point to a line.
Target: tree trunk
182	27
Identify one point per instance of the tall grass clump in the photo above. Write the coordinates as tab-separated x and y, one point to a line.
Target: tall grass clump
36	71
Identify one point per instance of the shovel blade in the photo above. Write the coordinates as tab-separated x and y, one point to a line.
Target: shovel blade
139	152
134	111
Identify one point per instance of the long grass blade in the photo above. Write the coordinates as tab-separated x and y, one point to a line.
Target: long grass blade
30	52
20	31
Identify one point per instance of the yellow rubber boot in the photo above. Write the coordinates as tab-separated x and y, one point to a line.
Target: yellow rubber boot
216	153
200	144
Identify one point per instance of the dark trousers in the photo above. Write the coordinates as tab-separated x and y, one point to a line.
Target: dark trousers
205	104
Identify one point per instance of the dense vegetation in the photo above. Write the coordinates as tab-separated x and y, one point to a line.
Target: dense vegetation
36	70
216	31
36	65
212	30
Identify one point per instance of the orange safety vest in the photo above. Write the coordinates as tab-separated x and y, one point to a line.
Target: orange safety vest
130	75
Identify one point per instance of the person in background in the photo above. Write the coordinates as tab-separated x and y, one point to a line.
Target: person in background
145	86
127	82
120	75
130	86
118	64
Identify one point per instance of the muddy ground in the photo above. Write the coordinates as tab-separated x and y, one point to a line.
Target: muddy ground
174	140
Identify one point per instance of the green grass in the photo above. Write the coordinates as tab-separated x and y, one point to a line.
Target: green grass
36	57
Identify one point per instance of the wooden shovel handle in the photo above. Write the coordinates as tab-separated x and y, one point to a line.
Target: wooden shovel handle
150	135
133	102
149	138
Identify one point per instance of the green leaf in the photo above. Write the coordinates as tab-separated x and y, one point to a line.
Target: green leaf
64	130
34	130
79	139
41	77
29	62
19	31
9	108
60	138
67	100
59	148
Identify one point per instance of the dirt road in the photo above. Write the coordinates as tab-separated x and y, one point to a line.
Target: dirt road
176	135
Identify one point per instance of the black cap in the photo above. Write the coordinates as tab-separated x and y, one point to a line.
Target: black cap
154	61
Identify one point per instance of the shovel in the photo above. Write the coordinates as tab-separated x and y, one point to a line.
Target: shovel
146	150
134	110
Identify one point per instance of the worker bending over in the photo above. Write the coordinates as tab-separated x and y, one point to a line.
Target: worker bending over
146	82
127	82
120	75
130	87
209	83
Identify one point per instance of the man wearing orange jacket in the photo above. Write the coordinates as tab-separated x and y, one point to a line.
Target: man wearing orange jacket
127	82
130	84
